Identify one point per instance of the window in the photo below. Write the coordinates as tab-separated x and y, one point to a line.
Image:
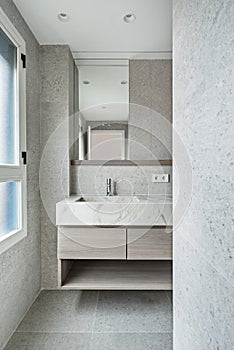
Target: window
13	215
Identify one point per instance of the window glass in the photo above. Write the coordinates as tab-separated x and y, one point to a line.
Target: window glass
9	149
13	188
9	207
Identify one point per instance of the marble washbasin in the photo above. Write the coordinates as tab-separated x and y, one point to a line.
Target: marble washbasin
107	199
115	210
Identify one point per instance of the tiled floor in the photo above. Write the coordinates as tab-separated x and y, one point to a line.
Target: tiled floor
90	320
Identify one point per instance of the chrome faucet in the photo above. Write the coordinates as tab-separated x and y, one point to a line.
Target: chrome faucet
108	187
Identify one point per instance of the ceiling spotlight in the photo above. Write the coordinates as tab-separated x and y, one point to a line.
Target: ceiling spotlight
129	18
86	82
63	17
124	82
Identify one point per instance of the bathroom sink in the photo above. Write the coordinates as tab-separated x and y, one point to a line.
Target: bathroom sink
93	210
107	199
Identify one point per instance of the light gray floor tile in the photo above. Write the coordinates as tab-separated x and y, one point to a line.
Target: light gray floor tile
133	311
49	341
61	311
131	341
170	296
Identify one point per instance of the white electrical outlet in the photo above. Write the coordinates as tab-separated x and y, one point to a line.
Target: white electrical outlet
160	178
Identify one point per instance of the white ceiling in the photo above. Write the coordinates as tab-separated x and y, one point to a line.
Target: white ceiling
97	26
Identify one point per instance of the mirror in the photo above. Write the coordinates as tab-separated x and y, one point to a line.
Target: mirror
111	128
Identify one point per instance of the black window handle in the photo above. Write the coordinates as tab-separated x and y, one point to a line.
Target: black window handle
24	156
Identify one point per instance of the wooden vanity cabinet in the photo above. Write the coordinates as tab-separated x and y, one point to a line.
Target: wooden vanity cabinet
149	244
114	258
91	243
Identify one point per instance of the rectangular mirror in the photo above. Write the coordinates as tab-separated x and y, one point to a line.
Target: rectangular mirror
116	117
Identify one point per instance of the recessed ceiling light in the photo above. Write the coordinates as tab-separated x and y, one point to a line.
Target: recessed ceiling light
124	82
129	18
104	107
86	82
63	17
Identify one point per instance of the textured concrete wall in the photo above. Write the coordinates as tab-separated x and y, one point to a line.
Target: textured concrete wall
57	104
203	117
20	265
129	180
150	95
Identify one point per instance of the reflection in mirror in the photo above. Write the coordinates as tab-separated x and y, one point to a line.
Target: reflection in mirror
106	144
104	109
124	110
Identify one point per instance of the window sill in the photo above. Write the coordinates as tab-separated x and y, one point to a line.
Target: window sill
11	239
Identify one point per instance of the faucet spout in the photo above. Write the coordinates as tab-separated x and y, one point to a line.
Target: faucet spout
108	187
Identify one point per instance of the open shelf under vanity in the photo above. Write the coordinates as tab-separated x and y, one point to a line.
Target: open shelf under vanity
115	274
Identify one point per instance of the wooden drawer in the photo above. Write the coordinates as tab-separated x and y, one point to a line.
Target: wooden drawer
149	244
91	243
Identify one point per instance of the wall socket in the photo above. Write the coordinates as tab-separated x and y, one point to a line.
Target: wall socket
160	178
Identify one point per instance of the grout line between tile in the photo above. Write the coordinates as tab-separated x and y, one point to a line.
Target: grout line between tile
169	299
98	332
54	332
95	311
94	320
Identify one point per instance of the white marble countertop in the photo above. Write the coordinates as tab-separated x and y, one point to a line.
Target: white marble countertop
140	210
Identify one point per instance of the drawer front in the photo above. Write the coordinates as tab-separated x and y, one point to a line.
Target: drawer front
149	244
91	243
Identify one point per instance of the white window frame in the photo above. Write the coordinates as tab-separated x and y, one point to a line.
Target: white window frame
17	172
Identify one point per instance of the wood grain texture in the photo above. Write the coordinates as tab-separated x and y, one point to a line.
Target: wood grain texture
164	162
151	244
64	267
91	243
119	275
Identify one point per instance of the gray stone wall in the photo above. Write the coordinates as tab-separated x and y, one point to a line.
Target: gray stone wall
150	112
203	118
57	104
129	180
